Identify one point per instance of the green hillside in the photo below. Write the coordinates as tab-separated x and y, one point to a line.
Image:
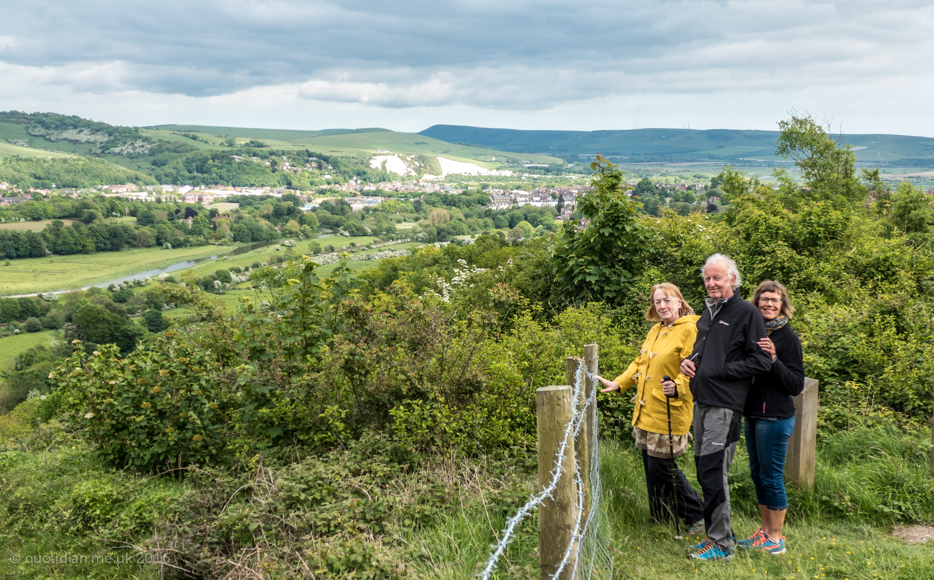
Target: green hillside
204	155
362	143
680	145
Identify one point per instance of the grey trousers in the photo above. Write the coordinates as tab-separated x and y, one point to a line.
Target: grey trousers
716	433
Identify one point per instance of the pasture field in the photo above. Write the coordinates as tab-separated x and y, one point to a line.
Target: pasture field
223	208
11	346
268	254
64	272
33	226
9	150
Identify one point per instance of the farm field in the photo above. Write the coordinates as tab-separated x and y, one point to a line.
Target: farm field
9	150
269	253
11	346
33	226
63	272
223	208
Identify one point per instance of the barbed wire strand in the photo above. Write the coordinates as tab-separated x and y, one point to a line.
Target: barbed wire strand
581	533
536	500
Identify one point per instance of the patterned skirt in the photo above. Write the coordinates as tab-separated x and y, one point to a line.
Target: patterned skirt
657	444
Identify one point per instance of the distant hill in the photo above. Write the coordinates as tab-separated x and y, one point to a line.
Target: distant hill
364	143
205	155
678	145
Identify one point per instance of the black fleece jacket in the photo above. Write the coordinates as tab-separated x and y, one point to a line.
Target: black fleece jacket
726	354
771	393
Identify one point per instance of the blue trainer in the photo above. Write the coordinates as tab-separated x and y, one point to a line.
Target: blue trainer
711	553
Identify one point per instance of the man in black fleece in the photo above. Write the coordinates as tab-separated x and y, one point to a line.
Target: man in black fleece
726	356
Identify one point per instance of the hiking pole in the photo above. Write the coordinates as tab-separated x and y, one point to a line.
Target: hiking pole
674	466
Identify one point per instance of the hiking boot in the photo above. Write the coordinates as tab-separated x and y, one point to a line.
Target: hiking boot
754	541
773	547
711	553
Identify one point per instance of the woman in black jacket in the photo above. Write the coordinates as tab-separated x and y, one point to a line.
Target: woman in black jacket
770	415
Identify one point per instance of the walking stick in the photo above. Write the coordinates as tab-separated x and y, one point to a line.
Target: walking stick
674	466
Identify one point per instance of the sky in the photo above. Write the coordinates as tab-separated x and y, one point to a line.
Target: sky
855	66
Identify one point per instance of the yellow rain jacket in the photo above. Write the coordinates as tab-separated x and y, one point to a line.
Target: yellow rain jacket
661	354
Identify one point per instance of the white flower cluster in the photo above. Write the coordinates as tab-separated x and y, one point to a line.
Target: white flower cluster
461	279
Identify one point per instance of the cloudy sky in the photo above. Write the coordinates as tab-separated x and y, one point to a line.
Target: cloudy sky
864	67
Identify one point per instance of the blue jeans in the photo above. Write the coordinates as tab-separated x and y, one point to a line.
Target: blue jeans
766	442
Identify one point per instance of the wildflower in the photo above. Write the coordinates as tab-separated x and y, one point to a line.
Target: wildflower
212	406
89	415
196	438
156	390
146	405
170	430
141	381
111	382
163	372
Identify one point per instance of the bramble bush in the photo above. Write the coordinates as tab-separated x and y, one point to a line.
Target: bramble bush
158	408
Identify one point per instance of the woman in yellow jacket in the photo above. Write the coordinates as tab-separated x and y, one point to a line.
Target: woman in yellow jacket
667	343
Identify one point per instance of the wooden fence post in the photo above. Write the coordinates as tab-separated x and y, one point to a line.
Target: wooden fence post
802	447
557	515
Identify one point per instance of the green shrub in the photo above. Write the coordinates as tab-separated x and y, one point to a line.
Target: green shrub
154	320
32	324
155	409
53	319
223	276
122	295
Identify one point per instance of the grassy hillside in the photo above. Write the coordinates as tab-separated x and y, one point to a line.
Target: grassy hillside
10	150
679	145
360	142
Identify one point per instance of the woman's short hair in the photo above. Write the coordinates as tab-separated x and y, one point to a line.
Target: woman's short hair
670	290
787	310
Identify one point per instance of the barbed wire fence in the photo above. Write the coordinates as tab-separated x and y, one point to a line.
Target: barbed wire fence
588	551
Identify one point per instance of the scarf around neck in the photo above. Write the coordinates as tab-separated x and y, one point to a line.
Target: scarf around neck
774	324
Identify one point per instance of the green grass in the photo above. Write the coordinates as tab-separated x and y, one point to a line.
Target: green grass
65	272
268	254
818	546
223	208
9	150
31	226
12	346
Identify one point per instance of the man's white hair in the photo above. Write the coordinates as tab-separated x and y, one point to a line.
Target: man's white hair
731	268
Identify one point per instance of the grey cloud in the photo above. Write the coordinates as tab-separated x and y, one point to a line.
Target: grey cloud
520	54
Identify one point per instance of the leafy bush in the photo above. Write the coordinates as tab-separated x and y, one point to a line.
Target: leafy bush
53	319
154	320
155	409
223	276
32	324
600	261
122	295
